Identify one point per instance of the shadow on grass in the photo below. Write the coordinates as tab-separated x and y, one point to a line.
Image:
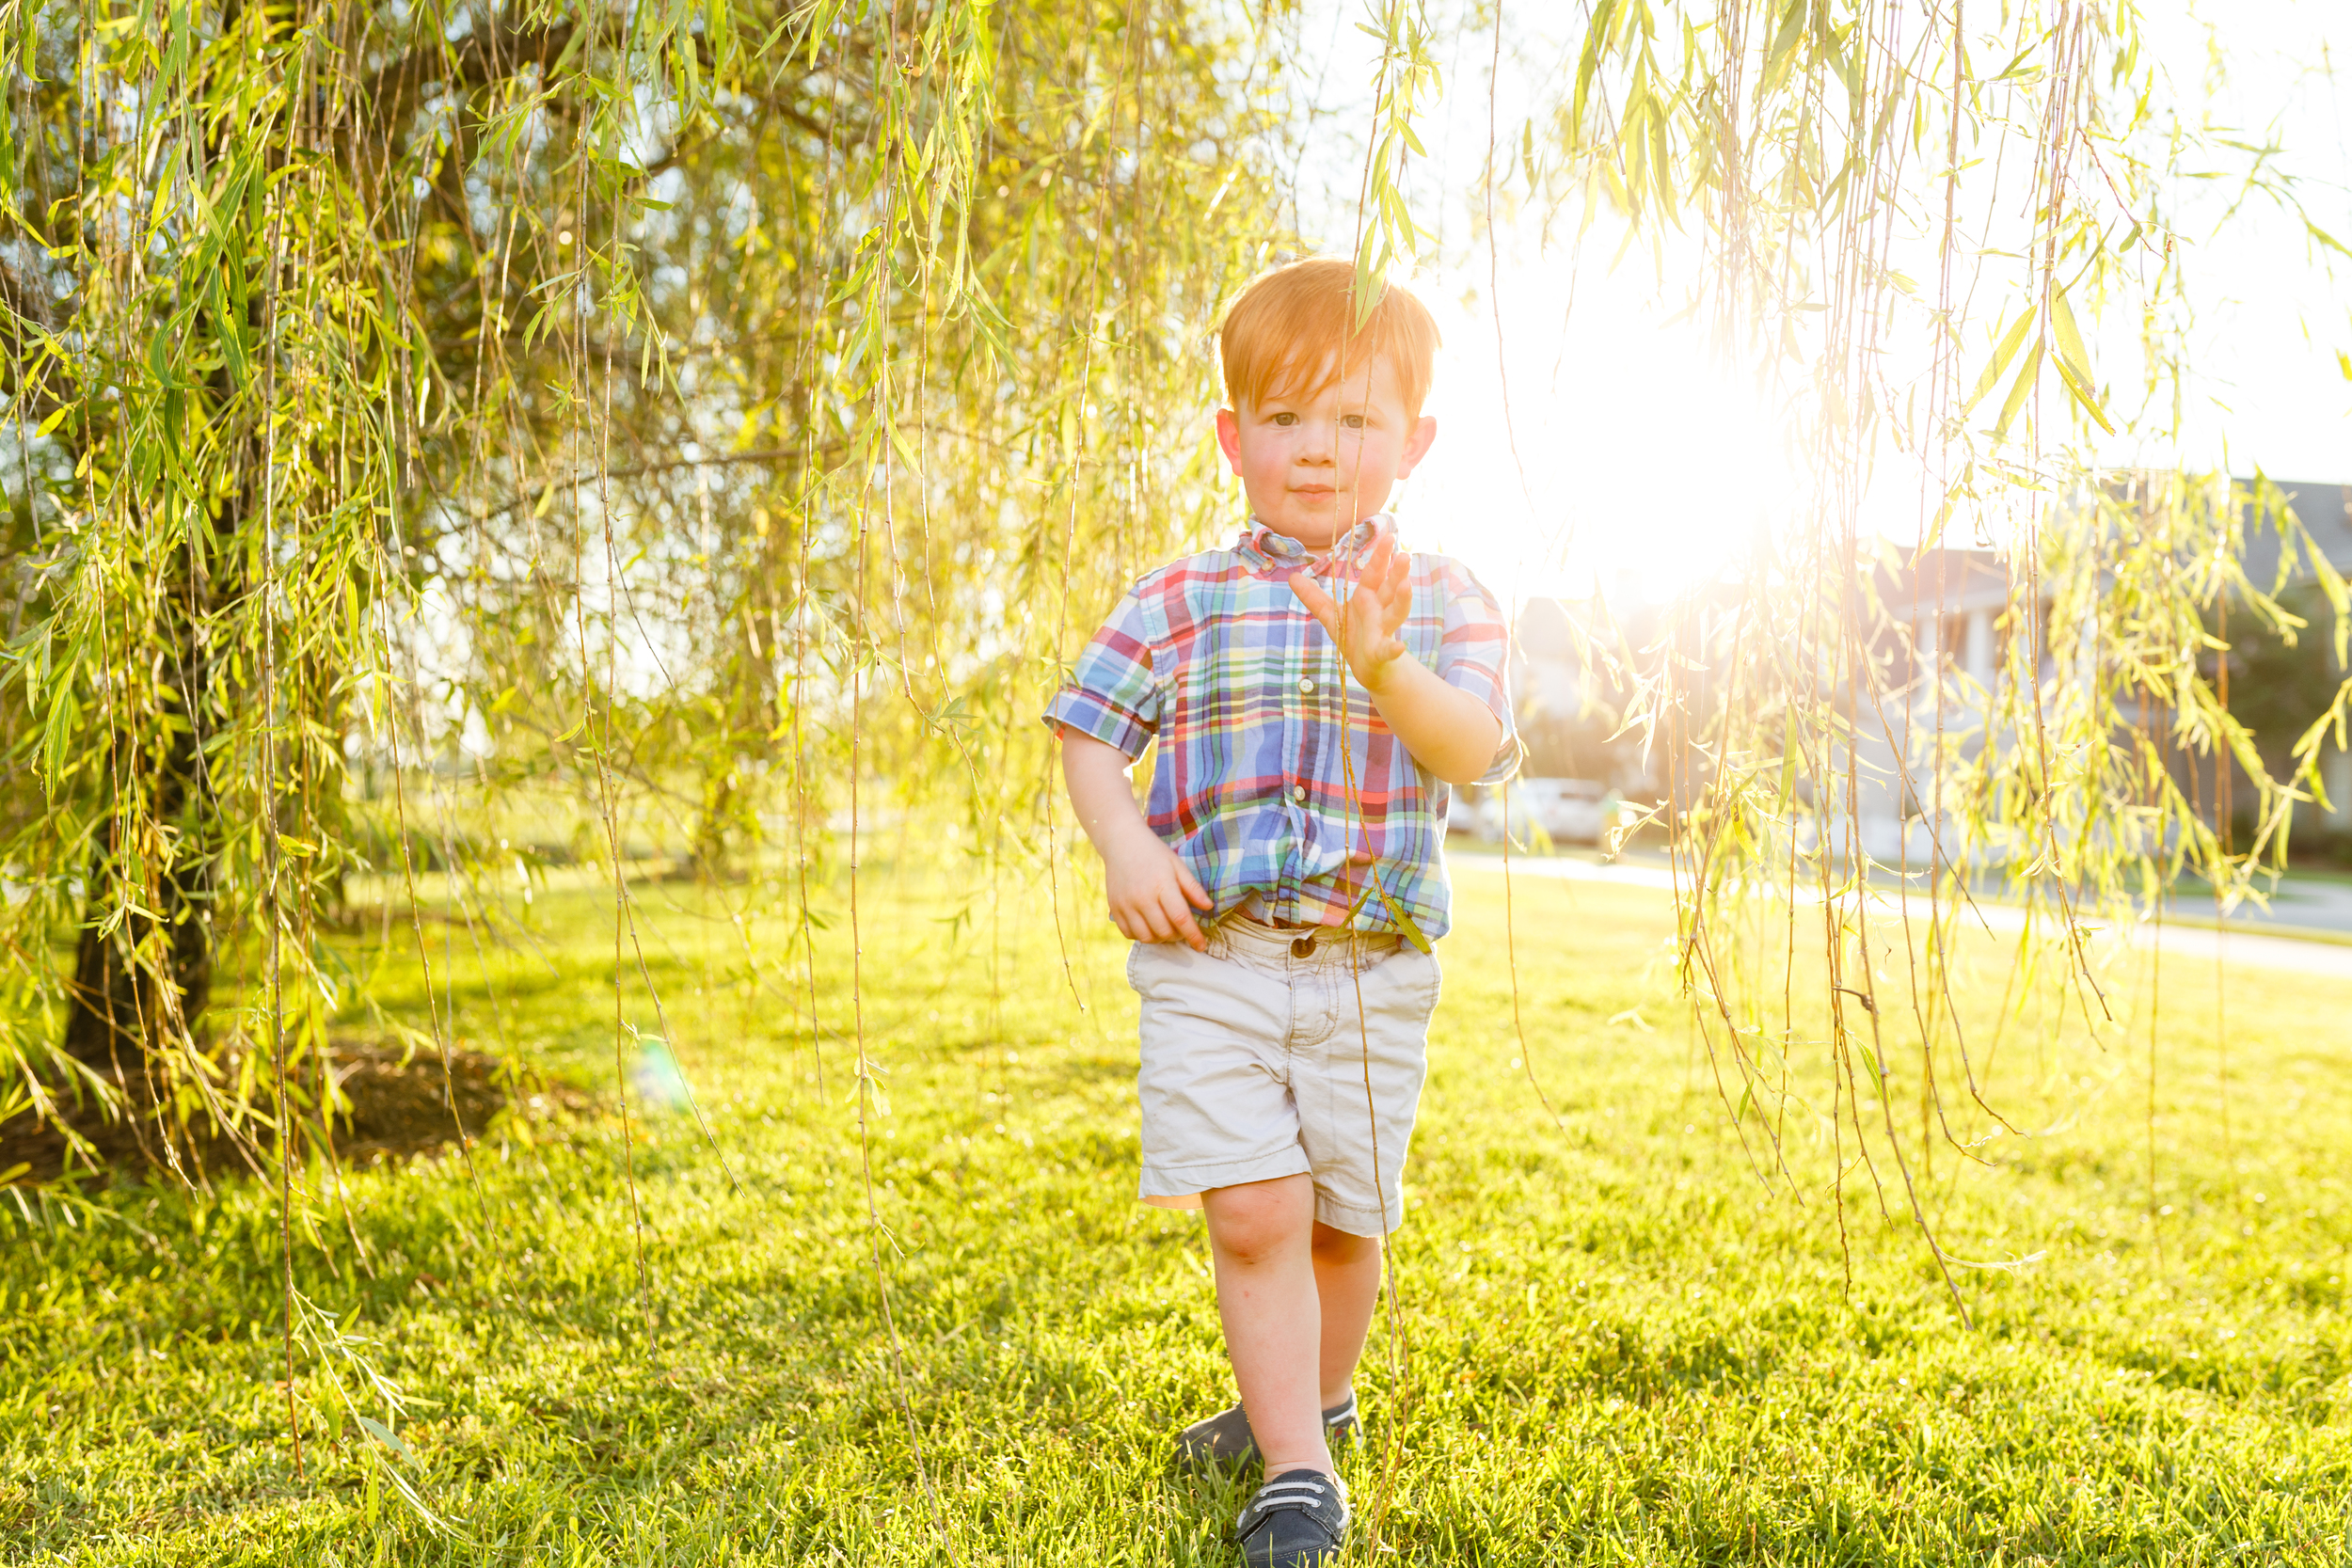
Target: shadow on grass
397	1102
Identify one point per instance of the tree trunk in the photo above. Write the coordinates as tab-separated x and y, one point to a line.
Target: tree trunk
123	1009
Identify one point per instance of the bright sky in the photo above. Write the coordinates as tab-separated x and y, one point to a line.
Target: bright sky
1646	460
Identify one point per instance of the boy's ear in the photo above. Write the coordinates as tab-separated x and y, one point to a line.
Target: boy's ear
1417	444
1229	438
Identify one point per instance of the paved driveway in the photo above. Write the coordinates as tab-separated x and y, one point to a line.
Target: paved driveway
2324	906
2311	903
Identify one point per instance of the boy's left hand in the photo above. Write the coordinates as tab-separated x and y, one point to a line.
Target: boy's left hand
1364	624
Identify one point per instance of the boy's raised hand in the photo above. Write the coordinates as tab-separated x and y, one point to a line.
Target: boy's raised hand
1364	623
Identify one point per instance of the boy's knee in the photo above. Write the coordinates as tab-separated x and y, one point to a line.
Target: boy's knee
1340	1248
1253	1223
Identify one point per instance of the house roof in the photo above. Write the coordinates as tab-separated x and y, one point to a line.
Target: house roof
2324	510
1960	580
1945	580
1957	581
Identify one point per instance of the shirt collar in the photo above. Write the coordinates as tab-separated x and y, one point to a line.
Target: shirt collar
1262	549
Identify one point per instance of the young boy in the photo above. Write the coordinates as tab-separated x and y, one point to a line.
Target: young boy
1313	690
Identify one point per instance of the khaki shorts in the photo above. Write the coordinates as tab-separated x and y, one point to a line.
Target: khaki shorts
1256	1066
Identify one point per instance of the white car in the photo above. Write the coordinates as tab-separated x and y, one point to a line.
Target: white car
1569	811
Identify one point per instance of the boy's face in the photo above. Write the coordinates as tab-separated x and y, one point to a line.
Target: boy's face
1317	463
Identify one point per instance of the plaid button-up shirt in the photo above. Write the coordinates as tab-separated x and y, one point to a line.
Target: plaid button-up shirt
1267	782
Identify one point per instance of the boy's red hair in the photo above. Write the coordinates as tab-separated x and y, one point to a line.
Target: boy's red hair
1299	319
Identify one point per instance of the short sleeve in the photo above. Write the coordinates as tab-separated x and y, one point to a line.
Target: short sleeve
1112	693
1474	656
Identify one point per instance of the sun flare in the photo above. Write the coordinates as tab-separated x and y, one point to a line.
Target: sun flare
1586	439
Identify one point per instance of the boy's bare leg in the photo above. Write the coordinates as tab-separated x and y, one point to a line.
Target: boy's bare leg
1261	1237
1347	1280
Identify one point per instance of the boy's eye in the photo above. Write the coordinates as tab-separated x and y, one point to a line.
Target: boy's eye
1352	421
1285	420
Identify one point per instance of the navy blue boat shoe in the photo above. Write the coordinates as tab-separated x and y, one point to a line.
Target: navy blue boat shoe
1299	1519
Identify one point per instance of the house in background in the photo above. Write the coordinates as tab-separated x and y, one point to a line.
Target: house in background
1944	613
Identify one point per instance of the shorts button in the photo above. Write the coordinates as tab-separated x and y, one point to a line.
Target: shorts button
1302	947
1306	687
1298	793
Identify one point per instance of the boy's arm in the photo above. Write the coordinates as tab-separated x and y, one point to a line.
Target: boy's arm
1148	885
1449	731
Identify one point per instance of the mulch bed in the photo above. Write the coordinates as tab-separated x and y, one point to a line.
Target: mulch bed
402	1104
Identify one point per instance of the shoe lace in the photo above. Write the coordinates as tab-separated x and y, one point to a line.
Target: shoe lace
1313	1496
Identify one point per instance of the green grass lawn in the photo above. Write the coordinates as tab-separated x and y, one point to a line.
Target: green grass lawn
1615	1345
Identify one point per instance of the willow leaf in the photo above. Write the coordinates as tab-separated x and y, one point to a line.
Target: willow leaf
2002	354
2074	360
2019	390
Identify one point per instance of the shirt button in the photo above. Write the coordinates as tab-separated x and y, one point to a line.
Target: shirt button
1306	687
1298	793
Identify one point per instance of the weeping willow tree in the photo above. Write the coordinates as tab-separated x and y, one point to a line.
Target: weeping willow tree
685	417
705	426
